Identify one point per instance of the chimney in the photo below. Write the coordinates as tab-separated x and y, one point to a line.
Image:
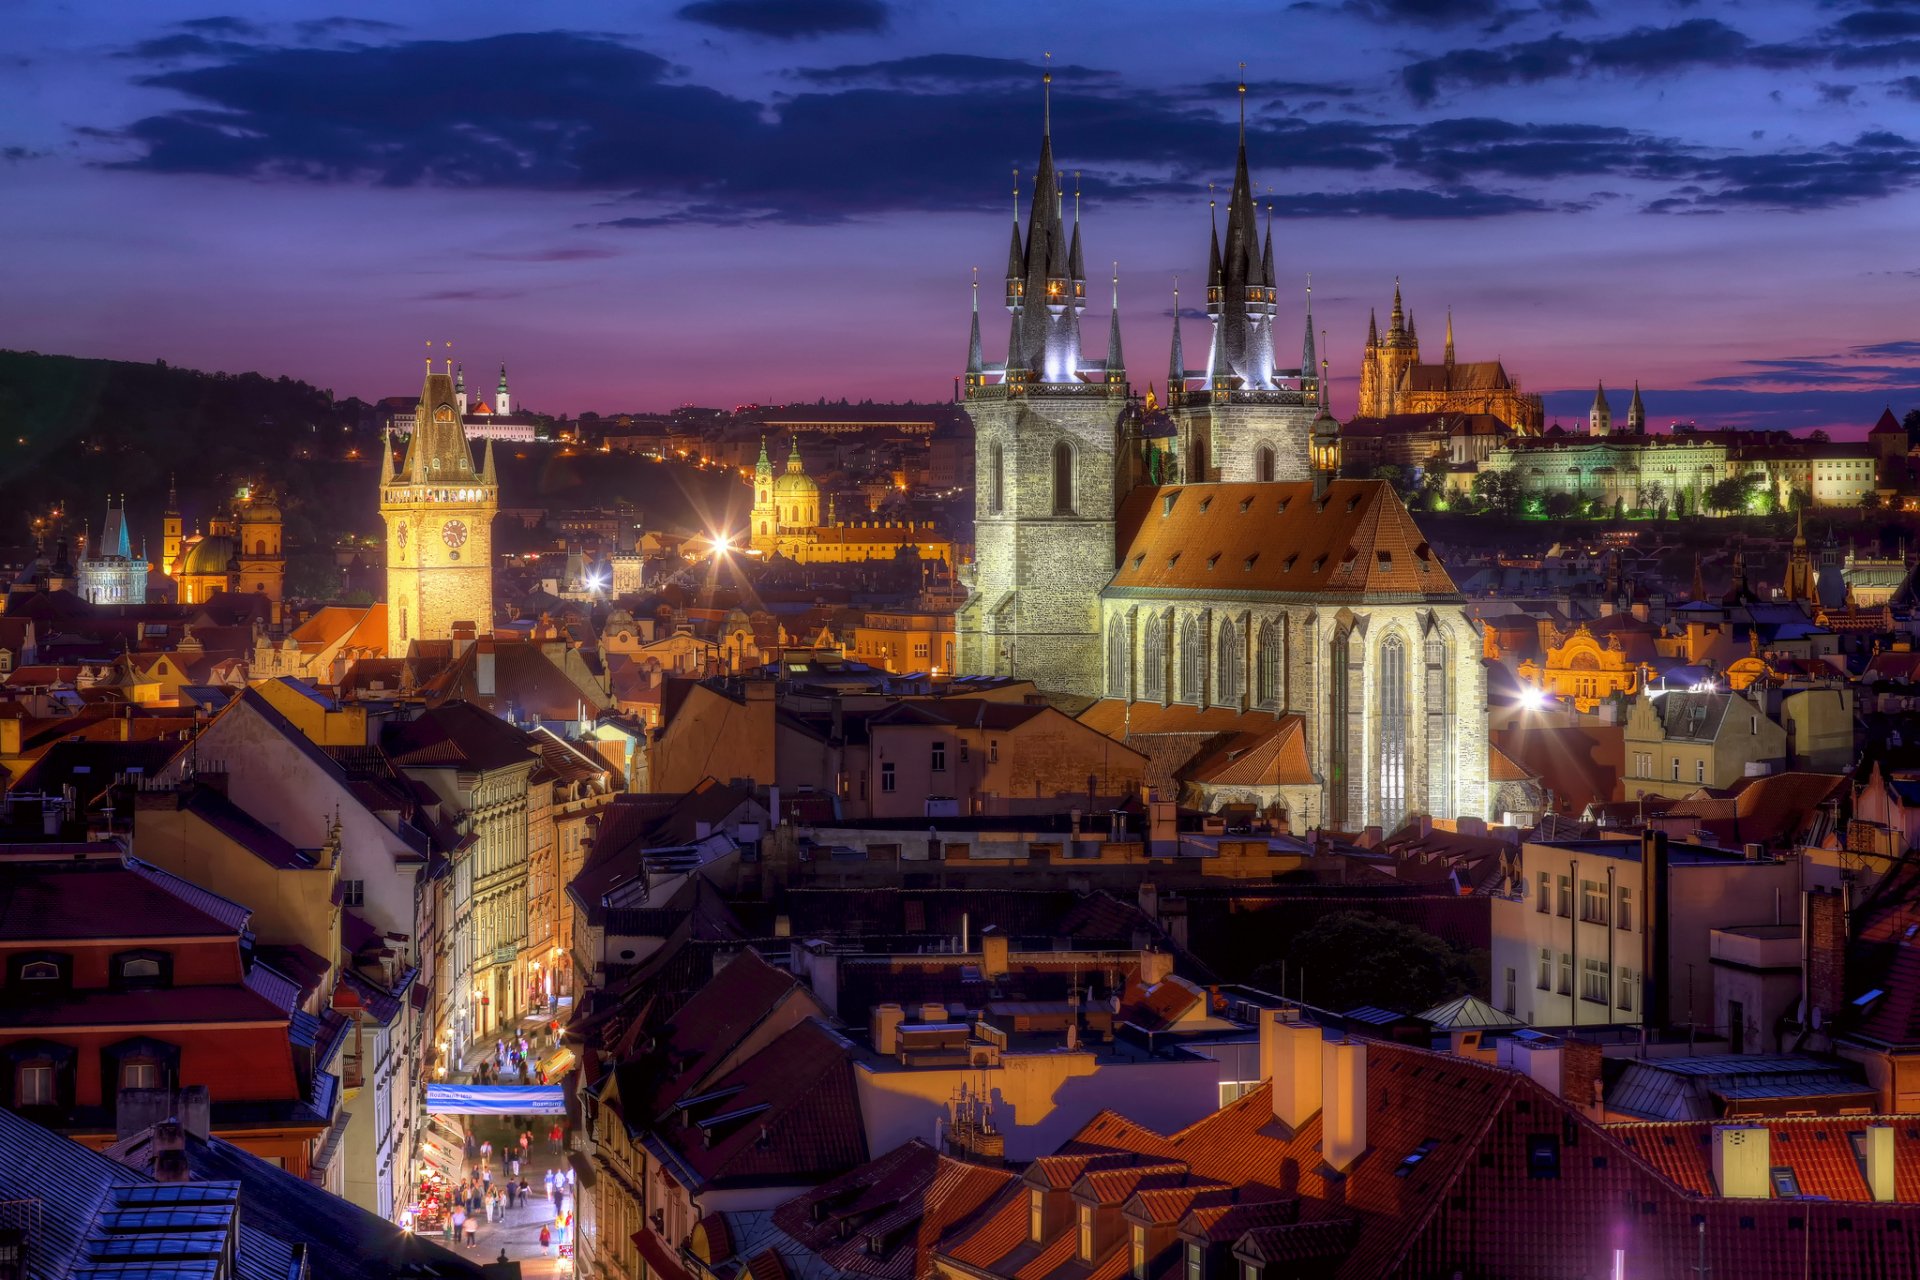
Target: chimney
1825	933
1155	967
1290	1057
1740	1161
933	1011
886	1029
993	954
170	1153
483	668
1149	899
1580	1075
461	634
1880	1161
195	1110
1343	1102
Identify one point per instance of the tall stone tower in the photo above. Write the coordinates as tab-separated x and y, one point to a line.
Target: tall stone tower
439	515
1046	435
1248	419
1600	417
259	553
171	535
1384	364
502	398
764	522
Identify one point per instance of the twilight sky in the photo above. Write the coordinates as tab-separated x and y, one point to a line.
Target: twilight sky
642	204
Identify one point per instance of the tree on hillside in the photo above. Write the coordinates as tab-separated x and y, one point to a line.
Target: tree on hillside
1353	958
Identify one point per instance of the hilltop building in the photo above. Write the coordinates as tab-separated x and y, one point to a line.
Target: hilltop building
439	513
241	551
1393	379
1262	596
109	573
786	521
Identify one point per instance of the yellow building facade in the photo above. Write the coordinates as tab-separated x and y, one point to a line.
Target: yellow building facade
1584	668
786	521
439	515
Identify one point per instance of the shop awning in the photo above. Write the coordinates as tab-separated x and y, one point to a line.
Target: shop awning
496	1099
660	1260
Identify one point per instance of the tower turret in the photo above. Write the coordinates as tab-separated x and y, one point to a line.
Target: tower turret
1177	356
1016	267
502	399
170	531
1637	412
1116	362
1449	355
976	370
1309	362
1600	417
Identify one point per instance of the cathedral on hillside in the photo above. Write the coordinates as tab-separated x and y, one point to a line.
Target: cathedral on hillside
1288	637
785	521
439	514
1394	381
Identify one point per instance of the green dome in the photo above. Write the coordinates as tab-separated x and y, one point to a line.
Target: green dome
207	557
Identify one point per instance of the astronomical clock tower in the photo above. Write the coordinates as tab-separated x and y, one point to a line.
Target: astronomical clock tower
439	514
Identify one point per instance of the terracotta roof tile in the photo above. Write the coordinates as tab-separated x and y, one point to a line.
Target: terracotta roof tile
1358	539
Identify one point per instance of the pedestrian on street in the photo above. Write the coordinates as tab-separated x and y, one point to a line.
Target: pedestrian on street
473	1233
546	1241
516	1166
512	1188
556	1201
523	1191
486	1152
459	1221
553	1139
526	1142
486	1175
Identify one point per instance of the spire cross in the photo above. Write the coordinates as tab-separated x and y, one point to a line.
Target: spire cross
429	355
1243	103
1076	195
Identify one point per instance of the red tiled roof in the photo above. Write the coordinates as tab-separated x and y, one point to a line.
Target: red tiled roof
101	899
718	1017
799	1115
1816	1148
1358	539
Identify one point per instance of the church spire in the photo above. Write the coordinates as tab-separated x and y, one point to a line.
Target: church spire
438	451
1397	324
1637	412
1373	329
1116	363
974	364
1308	363
487	474
1449	356
1177	357
173	499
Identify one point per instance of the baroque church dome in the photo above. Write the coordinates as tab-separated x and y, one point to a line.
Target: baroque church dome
208	556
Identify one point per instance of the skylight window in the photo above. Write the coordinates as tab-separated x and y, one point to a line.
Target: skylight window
1415	1156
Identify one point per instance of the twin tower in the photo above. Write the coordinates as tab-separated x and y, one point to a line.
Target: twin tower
1051	424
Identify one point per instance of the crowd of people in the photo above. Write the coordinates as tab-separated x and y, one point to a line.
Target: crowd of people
515	1057
498	1179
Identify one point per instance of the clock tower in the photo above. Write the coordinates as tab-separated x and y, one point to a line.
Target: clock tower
439	515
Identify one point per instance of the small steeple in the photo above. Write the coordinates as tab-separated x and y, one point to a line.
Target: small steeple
173	500
1266	254
1309	365
1600	417
1449	355
1016	268
1373	330
502	399
1076	269
1397	323
1637	412
974	362
1177	357
793	457
487	474
1213	260
1116	363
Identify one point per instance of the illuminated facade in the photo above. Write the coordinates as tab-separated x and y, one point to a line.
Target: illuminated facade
242	550
786	521
439	514
1585	668
1393	380
110	573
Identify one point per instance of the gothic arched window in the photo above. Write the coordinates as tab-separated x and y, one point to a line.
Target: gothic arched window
1117	658
1263	464
1440	727
1063	479
1193	660
1198	459
1153	661
1393	732
998	481
1227	679
1338	772
1266	665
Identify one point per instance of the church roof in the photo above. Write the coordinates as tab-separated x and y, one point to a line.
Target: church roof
209	555
1478	375
1228	539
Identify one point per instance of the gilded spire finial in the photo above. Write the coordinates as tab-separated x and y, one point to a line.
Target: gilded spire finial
429	355
1046	99
1243	104
1076	195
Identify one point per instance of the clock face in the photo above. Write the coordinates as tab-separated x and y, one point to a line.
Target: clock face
454	533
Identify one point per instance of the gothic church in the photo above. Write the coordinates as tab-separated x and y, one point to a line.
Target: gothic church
1289	636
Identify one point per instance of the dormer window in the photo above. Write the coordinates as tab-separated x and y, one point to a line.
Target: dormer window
134	970
1036	1215
40	971
1196	1261
1139	1248
1086	1233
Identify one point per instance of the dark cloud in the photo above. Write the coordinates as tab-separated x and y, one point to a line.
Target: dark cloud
1879	24
184	44
788	19
1409	204
1883	365
948	69
222	26
318	28
1643	51
468	295
559	253
562	111
16	154
1437	13
1906	87
1837	94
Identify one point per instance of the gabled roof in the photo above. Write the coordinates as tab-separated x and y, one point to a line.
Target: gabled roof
458	734
105	899
714	1022
789	1113
1357	540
